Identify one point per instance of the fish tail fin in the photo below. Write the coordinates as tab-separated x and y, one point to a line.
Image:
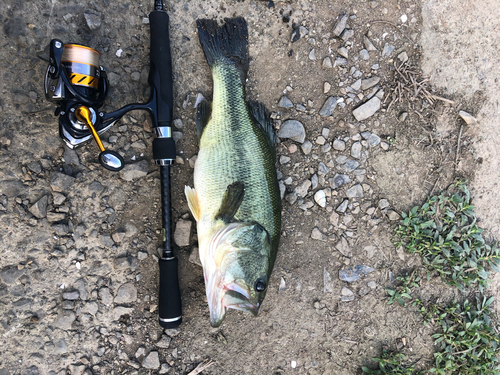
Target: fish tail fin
226	44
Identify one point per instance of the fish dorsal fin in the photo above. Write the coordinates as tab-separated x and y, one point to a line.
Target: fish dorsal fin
193	204
231	201
263	121
203	113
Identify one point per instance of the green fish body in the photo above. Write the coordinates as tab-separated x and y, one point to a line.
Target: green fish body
235	200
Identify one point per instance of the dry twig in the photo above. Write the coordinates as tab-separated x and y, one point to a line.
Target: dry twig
202	366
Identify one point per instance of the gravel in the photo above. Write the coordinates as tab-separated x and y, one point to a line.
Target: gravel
292	129
367	109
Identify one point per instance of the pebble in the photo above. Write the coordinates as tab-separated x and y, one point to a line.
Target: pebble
340	61
294	130
350	165
135	170
387	50
60	182
383	203
165	367
71	296
152	361
340	25
178	123
127	293
403	57
368	44
70	156
327	62
164	342
355	191
343	206
311	55
282	285
364	54
344	52
339	180
119	311
314	181
64	320
284	159
10	274
328	286
354	273
467	117
39	209
367	109
182	233
384	145
393	215
347	295
402	116
347	34
306	147
320	198
105	296
356	150
326	87
285	102
140	352
93	20
299	33
339	145
61	347
369	82
303	188
334	218
317	235
330	105
322	169
373	140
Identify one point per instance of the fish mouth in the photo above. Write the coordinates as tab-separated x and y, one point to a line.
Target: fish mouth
231	296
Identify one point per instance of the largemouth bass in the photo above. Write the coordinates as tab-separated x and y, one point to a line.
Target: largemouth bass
235	200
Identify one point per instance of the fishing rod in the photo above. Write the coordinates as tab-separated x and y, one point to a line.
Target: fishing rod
76	82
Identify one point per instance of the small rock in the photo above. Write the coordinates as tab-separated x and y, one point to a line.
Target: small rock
373	140
393	215
326	87
285	102
404	18
303	188
178	123
369	82
330	105
140	352
354	273
10	275
355	192
367	109
350	165
347	294
122	263
347	34
165	366
39	209
340	61
61	182
61	347
356	150
344	52
71	157
356	85
387	50
71	296
383	203
64	320
320	198
368	44
294	130
182	232
306	147
134	171
320	140
282	285
339	180
341	24
339	145
298	33
127	293
311	55
192	161
467	117
284	159
93	20
152	361
328	286
317	235
164	343
327	62
106	297
402	116
120	311
364	54
343	206
403	57
322	169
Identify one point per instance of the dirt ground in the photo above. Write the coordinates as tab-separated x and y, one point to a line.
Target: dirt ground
78	278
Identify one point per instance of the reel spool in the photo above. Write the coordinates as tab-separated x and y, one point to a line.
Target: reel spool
79	85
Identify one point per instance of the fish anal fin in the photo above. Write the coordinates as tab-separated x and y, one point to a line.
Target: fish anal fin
203	113
231	201
192	200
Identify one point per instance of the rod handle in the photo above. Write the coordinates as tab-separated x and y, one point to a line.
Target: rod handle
169	299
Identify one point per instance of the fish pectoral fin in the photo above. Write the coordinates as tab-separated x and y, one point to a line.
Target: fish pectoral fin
193	204
264	122
231	201
203	113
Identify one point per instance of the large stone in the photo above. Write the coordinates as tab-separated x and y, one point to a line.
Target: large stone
367	109
340	25
369	82
127	293
294	130
152	361
134	171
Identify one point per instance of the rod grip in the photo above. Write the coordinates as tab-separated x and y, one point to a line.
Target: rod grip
169	299
160	74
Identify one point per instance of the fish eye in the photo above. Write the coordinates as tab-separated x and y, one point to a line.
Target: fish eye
260	285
